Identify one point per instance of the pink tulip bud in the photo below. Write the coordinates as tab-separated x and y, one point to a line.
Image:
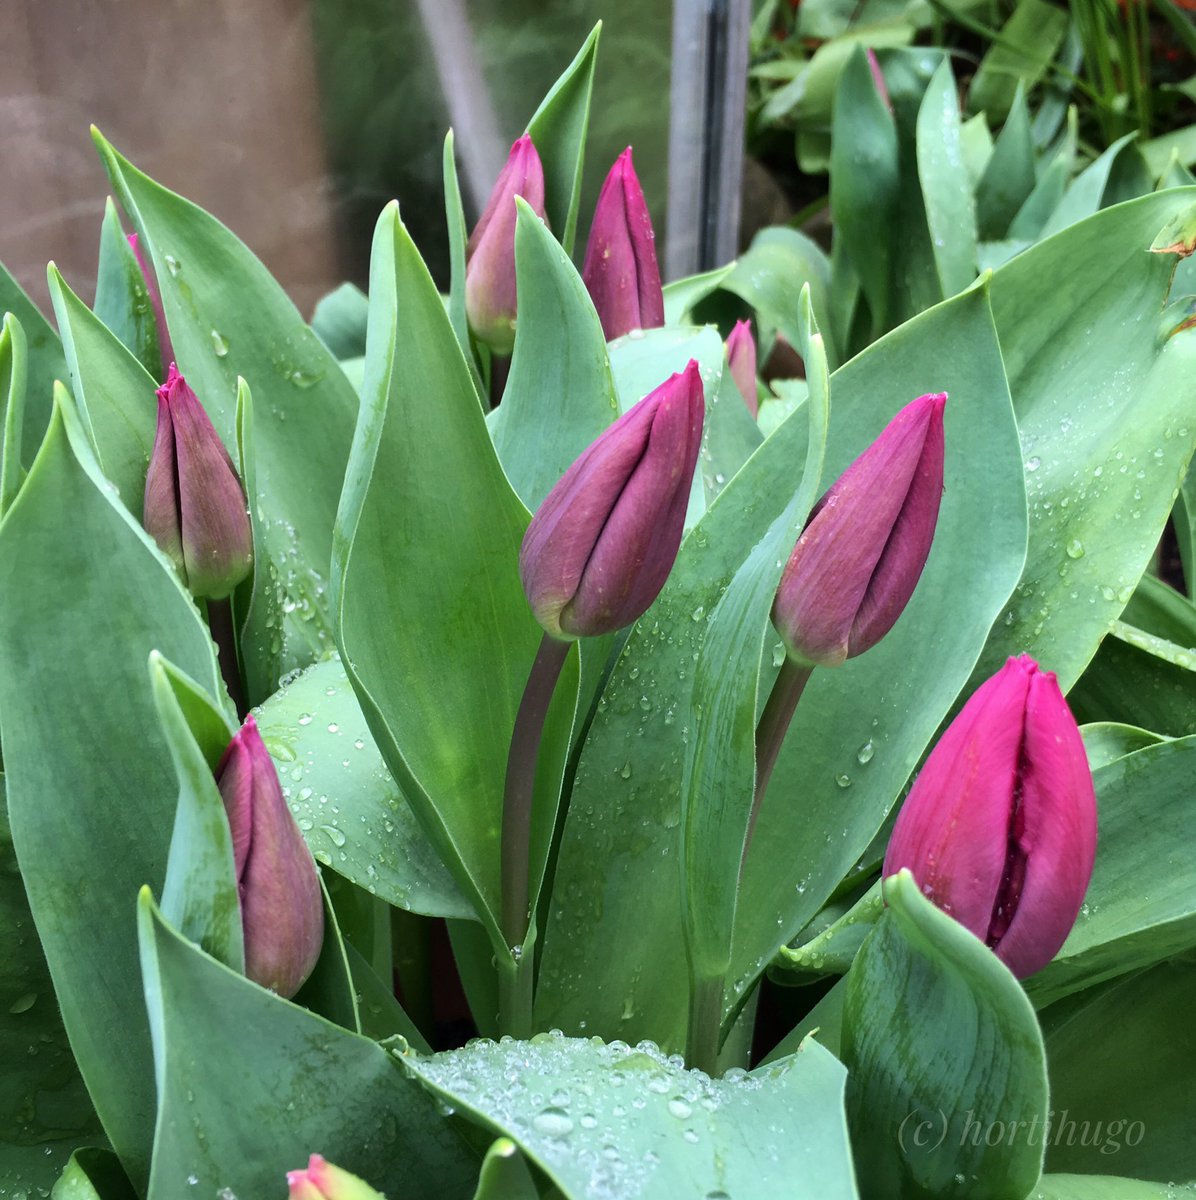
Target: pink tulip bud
490	273
741	360
282	909
320	1180
620	268
603	542
999	828
861	554
879	79
151	286
194	503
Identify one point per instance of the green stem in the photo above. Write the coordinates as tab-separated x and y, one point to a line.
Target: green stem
515	993
770	733
705	1021
224	634
515	977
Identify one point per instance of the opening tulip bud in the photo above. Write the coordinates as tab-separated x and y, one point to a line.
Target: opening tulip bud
194	502
861	554
282	908
999	828
320	1180
620	269
603	542
741	362
490	255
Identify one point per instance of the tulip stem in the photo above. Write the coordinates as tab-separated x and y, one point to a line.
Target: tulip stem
224	634
770	733
705	1024
517	816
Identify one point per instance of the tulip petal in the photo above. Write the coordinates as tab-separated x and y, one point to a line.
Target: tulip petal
161	505
741	361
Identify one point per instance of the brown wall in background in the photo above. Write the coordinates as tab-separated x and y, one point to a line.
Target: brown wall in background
216	99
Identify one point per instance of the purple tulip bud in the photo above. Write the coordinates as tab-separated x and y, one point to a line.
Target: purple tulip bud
999	828
620	268
862	551
490	274
151	286
320	1180
741	359
282	909
194	503
603	542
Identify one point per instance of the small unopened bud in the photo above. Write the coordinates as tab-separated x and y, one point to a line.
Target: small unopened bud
320	1180
741	362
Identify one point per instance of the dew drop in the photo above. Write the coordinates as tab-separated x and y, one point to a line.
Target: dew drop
219	343
1075	548
553	1122
865	752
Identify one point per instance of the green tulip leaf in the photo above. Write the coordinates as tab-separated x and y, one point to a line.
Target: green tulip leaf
14	360
45	362
608	1120
730	437
1100	1187
331	990
116	396
559	395
1008	177
249	1085
339	321
123	302
1107	741
1085	194
228	318
434	628
682	295
458	237
346	802
505	1174
941	1047
380	1013
1023	52
93	800
92	1174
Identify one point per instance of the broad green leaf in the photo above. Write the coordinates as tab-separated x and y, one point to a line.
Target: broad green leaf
730	436
114	393
846	760
229	318
1009	176
1085	194
330	990
249	1085
946	189
682	295
1036	210
505	1175
381	1014
941	1045
1027	43
559	395
1105	741
1122	1056
95	807
92	1174
1184	518
339	320
607	1120
14	360
976	145
1181	142
199	895
44	359
1161	610
346	802
454	215
434	629
1101	399
1101	1187
558	130
123	302
1141	904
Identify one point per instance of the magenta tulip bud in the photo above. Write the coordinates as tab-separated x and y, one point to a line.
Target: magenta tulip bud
999	828
603	542
861	554
620	270
194	502
151	286
490	255
741	361
320	1180
282	908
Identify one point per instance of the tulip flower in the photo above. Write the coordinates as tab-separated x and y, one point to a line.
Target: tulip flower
741	361
620	270
282	909
603	542
861	554
320	1180
164	344
490	255
999	829
194	502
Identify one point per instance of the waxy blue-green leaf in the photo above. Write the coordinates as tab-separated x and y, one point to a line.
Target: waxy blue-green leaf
123	302
1036	209
1122	1056
454	215
93	1173
45	361
339	320
14	365
946	189
505	1175
845	761
114	393
1008	177
330	990
558	131
434	629
1106	741
940	1044
1100	1187
1027	43
1103	400
346	802
1085	193
608	1120
92	800
229	318
1140	907
682	295
248	1084
559	395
